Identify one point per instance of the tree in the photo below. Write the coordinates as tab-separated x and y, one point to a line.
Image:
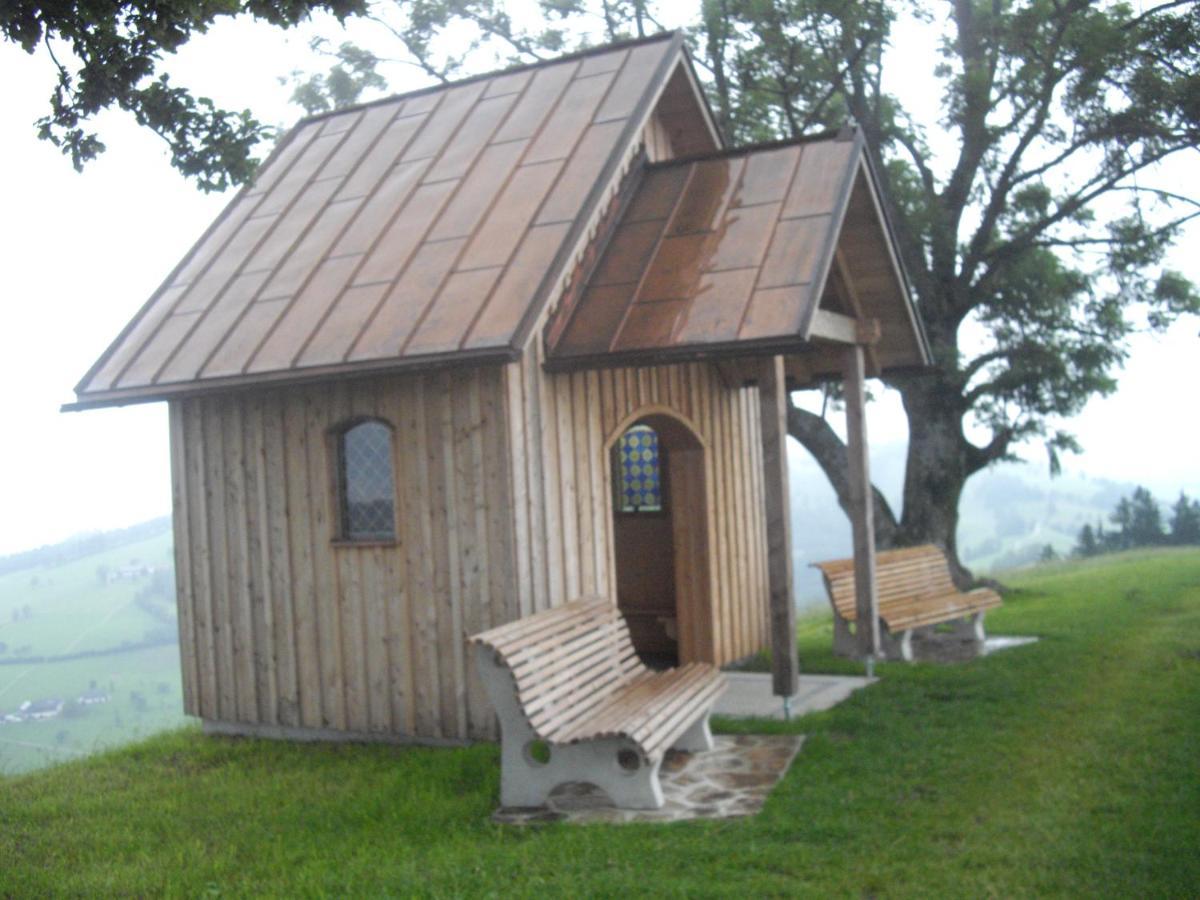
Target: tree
1185	521
1145	525
1048	554
108	54
1087	545
1035	244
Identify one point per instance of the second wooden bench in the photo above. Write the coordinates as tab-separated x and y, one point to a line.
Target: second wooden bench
916	593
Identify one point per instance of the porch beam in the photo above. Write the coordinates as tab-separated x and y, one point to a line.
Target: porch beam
862	519
772	393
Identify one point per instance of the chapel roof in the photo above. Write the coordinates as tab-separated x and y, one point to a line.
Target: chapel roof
413	230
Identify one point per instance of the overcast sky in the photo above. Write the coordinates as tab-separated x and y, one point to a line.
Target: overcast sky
79	254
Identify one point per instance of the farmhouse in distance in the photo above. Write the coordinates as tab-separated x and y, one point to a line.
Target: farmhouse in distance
476	351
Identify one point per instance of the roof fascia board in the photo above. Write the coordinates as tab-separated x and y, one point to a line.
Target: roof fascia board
400	366
898	268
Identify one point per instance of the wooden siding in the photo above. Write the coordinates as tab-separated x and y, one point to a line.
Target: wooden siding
282	626
562	425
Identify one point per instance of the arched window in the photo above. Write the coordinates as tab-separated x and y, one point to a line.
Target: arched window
637	475
366	487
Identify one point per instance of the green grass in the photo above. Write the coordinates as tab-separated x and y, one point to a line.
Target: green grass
1064	768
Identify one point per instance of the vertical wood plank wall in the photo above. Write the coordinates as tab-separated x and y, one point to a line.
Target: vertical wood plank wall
281	627
562	512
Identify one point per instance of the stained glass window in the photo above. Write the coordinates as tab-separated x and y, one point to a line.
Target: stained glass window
367	488
639	479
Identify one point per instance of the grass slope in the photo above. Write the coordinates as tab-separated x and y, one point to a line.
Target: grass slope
71	610
1067	767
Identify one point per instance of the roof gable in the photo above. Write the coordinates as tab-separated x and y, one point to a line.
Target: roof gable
416	229
732	253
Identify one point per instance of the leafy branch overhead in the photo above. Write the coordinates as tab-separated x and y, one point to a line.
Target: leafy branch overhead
108	55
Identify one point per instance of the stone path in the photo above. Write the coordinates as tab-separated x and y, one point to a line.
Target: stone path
731	780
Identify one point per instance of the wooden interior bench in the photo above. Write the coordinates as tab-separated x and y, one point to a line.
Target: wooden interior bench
576	704
915	594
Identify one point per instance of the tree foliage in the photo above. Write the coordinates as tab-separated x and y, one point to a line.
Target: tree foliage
1029	214
108	55
1138	522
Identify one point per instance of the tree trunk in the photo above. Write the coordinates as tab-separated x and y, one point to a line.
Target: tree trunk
818	438
935	471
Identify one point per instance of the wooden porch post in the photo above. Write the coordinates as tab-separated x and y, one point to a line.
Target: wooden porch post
862	514
772	392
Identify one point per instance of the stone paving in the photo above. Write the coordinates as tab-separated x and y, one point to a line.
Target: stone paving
749	695
731	780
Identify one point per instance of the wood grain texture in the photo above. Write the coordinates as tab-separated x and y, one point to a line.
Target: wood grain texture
282	624
563	529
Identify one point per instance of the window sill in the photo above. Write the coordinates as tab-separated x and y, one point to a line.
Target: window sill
365	544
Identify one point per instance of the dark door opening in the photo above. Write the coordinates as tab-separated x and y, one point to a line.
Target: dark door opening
659	525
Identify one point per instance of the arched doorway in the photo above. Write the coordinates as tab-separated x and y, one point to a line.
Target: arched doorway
660	538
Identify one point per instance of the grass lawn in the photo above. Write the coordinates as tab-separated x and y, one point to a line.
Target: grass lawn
1066	767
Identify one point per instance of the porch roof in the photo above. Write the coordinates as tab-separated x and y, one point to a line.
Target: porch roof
766	250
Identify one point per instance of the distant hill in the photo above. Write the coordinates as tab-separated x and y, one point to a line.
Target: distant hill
83	545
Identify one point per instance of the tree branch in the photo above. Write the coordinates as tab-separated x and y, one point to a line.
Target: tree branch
819	439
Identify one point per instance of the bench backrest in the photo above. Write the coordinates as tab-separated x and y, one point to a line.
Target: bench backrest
565	661
900	576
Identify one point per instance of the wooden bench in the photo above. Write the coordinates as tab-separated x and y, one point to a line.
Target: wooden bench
916	593
576	704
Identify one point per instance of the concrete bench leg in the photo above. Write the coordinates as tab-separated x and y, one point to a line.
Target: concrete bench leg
614	765
698	737
897	647
970	628
844	642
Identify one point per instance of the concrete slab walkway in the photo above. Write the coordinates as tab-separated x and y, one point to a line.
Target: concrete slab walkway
749	695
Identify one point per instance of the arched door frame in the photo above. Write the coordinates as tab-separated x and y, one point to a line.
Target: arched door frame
689	463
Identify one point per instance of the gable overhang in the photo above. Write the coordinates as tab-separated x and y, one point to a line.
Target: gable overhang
853	290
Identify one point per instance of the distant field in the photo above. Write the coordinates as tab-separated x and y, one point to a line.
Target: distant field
67	609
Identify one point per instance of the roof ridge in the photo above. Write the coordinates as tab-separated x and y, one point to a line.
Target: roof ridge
523	67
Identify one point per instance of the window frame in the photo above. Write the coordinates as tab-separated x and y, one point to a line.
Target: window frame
337	441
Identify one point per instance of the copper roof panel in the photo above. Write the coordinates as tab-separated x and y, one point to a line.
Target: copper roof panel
709	190
298	320
462	296
571	116
578	178
387	332
438	216
509	303
333	338
716	311
241	342
406	233
498	236
224	314
377	162
472	199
